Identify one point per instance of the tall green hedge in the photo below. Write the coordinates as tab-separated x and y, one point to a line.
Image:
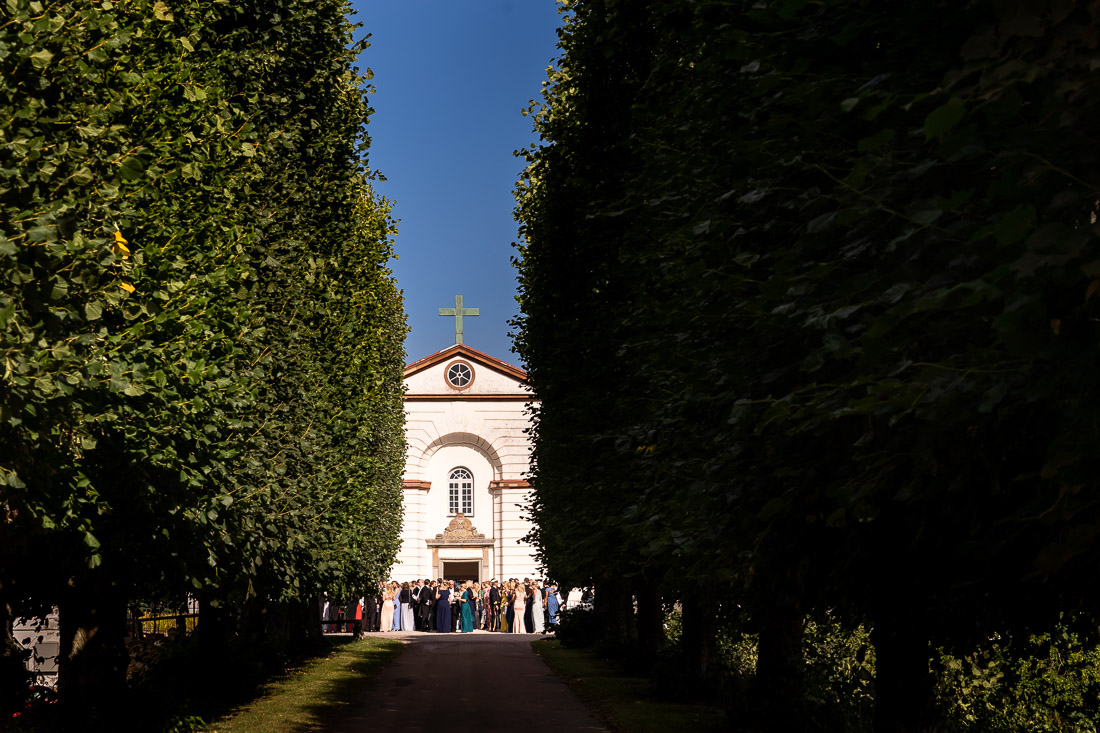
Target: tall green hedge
809	296
200	341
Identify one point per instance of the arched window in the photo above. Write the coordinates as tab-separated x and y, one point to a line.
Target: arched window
460	492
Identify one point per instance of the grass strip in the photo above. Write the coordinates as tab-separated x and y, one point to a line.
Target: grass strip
625	703
312	695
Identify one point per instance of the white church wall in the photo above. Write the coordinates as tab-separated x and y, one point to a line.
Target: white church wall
495	426
413	556
438	471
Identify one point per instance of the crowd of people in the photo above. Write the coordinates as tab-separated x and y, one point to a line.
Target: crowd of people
512	606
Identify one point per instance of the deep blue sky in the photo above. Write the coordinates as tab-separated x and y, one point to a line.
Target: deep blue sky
452	79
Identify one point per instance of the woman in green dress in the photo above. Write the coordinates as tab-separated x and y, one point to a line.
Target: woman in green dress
466	622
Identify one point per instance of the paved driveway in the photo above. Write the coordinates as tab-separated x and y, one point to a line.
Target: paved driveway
465	682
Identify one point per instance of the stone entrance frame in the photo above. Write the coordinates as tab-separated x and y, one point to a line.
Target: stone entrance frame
460	542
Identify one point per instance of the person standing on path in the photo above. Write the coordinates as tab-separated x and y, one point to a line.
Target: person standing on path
415	605
443	608
370	610
426	610
483	606
406	608
529	601
494	606
520	607
387	610
456	612
466	602
553	603
536	610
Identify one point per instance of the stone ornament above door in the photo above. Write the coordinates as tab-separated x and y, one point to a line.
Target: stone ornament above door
460	531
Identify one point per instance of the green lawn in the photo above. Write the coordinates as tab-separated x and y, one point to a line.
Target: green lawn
625	703
314	694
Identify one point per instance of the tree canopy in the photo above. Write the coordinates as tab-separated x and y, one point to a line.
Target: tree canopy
809	297
200	339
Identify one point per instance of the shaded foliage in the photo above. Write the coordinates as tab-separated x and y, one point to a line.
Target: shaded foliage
809	298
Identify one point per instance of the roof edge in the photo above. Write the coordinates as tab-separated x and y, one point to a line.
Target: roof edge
470	353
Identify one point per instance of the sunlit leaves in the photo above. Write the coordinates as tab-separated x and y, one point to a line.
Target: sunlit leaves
153	161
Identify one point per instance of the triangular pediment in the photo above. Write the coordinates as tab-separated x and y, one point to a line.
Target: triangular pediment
462	372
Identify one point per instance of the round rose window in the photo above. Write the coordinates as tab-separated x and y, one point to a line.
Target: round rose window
459	375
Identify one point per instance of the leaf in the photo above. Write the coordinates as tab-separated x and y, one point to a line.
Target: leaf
880	138
1015	225
41	59
132	167
849	104
926	217
820	223
93	310
126	286
120	245
944	118
161	11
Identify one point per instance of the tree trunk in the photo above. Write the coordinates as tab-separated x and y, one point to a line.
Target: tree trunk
93	655
699	637
904	686
213	630
779	666
13	673
651	621
614	604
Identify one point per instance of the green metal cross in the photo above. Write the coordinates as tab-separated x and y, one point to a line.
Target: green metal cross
458	311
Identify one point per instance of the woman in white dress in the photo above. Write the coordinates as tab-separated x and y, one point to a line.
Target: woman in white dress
536	613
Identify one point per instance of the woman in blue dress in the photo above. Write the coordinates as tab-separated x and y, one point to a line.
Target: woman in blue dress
396	607
443	608
467	620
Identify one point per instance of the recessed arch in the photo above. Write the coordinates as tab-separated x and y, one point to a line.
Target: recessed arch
468	440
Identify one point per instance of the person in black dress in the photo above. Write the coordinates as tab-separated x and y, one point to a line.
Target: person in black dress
456	611
529	608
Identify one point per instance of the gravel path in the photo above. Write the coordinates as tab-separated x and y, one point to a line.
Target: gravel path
466	682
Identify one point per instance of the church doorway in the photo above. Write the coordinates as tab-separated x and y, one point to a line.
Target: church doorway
462	570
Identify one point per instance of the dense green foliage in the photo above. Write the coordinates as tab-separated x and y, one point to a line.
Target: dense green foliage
809	298
200	343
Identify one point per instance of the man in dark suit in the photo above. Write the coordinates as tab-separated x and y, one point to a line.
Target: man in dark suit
427	605
494	606
372	606
417	589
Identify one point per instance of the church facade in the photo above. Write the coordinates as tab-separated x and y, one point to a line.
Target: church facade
468	455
